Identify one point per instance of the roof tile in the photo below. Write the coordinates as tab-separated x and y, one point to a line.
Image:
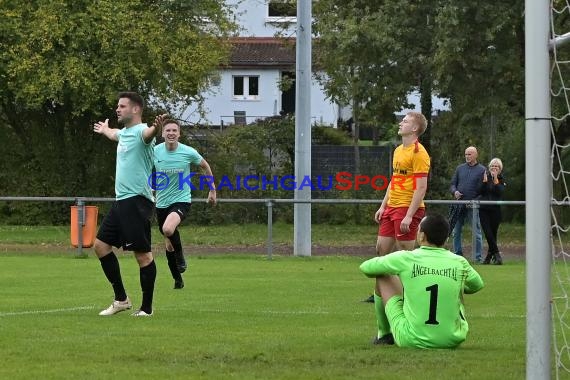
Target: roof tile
262	51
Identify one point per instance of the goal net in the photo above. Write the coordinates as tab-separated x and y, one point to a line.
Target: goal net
560	164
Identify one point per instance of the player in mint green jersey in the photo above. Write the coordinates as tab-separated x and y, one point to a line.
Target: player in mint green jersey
424	303
127	224
172	161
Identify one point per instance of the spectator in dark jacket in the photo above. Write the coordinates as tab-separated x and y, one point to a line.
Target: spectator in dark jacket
466	185
492	189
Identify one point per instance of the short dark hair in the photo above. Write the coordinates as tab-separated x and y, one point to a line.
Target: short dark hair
436	229
133	97
171	121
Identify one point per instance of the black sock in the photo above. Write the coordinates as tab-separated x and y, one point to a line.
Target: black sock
172	266
110	265
175	240
147	278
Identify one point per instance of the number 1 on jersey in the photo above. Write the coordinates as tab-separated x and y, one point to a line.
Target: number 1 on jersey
433	290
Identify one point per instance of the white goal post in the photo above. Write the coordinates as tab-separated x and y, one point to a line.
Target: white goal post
538	189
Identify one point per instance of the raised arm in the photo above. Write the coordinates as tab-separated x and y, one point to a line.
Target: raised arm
155	129
102	127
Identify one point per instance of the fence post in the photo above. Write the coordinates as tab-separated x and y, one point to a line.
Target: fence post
474	221
80	224
269	204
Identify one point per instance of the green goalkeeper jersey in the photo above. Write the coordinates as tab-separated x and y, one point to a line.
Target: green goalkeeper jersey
434	280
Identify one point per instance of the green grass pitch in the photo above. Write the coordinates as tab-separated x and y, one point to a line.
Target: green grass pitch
239	317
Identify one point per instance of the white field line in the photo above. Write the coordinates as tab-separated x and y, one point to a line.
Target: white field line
50	311
266	311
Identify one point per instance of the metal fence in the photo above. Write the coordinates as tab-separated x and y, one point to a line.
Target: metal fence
368	160
81	202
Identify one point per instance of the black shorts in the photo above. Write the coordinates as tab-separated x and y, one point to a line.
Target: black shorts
127	224
181	208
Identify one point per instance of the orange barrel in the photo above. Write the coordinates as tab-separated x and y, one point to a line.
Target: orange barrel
89	227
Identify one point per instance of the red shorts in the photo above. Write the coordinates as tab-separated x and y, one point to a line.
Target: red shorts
391	219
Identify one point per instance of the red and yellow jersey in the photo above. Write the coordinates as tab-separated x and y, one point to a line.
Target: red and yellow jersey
409	163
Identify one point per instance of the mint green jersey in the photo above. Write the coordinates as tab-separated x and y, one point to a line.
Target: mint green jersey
176	165
434	280
134	163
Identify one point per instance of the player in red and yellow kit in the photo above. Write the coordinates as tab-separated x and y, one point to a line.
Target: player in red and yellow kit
403	208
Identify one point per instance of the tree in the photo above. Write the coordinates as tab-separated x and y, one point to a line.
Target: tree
468	52
356	53
62	64
479	66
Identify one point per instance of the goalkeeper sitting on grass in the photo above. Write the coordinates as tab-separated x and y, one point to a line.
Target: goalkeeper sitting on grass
424	303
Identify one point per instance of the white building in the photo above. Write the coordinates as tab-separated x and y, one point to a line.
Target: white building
249	88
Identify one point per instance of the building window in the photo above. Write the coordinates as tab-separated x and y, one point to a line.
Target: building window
282	8
246	87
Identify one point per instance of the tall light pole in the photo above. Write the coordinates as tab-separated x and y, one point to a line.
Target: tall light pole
302	211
